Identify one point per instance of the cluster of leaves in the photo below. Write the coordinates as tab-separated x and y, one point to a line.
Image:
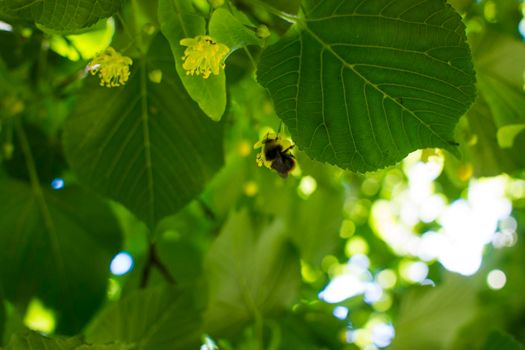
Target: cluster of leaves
162	166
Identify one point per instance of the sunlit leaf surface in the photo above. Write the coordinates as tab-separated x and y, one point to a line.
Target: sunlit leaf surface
360	84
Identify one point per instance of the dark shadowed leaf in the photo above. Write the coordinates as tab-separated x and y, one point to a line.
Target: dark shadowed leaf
35	341
150	148
60	15
360	84
501	341
159	318
48	238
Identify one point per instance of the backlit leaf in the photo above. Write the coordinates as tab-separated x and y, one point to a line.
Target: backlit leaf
250	273
159	318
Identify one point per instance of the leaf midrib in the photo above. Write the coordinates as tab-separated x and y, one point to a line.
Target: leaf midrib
146	138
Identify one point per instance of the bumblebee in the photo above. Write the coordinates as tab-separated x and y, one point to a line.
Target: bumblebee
276	154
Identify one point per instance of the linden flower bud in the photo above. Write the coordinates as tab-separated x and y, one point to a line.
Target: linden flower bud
112	68
203	56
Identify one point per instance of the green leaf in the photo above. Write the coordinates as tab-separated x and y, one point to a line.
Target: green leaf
429	317
500	62
178	21
289	6
48	235
315	224
157	318
60	15
486	154
227	29
35	341
250	273
360	84
496	119
507	134
501	341
152	149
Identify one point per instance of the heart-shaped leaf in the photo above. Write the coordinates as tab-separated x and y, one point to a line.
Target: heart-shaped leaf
46	235
152	148
60	15
360	84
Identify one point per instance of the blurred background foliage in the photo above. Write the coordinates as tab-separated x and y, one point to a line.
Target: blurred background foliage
427	254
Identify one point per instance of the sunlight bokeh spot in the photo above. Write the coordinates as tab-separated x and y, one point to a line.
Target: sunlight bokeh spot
340	312
356	245
121	264
6	27
496	279
308	273
415	272
57	183
373	293
39	318
521	28
307	186
382	334
347	229
387	279
384	303
354	280
250	188
209	344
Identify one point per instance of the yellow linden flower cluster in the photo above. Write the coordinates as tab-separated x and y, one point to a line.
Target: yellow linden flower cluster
203	56
112	68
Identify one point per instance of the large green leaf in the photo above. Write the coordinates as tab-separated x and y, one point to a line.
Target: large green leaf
160	318
360	84
430	317
250	272
46	236
496	119
60	15
178	20
35	341
151	148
